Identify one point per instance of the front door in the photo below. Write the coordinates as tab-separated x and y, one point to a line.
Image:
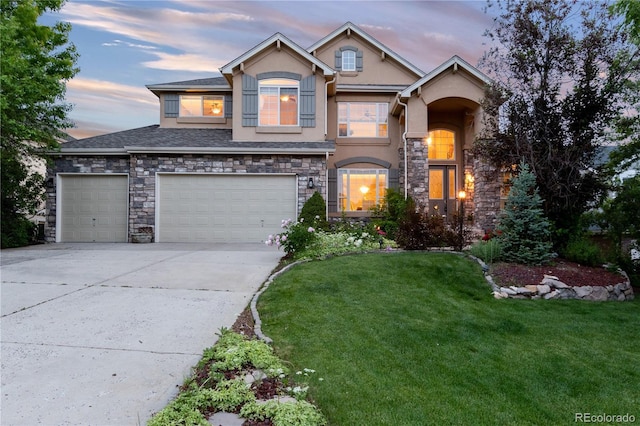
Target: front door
442	191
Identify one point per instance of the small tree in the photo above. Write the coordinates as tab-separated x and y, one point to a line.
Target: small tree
525	232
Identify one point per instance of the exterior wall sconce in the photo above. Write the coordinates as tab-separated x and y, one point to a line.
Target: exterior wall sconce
310	184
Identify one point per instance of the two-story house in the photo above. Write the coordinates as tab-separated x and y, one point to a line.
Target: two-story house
236	154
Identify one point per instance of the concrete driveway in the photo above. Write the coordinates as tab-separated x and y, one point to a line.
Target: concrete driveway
103	334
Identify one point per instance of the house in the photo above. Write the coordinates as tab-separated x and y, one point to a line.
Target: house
236	154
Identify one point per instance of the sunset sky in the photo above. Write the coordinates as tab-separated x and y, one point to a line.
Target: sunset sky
125	45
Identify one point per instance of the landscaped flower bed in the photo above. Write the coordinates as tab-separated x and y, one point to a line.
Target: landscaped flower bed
242	379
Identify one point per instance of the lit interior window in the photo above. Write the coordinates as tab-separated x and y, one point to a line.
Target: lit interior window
201	106
361	189
441	145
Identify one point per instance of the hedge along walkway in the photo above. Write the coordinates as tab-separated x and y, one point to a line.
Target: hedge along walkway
418	338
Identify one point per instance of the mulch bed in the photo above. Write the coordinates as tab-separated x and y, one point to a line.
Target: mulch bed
570	273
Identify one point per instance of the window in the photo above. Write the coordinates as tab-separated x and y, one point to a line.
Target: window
363	120
361	189
348	60
278	102
201	106
441	145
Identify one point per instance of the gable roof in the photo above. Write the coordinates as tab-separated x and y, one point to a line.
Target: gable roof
155	139
455	62
350	27
276	39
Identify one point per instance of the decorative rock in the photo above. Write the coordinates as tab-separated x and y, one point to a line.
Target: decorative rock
254	376
524	291
500	295
532	288
543	289
551	295
598	294
584	291
508	291
621	297
226	419
551	277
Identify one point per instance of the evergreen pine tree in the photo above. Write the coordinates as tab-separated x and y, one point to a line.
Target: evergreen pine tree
525	230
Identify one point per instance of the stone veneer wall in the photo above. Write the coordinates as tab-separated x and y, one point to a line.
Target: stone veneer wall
417	176
142	170
97	165
486	195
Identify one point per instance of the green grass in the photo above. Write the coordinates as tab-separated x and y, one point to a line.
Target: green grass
417	338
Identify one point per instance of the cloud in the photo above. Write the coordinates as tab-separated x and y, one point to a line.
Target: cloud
96	102
184	62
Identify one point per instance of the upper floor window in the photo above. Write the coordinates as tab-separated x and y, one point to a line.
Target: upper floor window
278	102
201	106
348	60
363	119
441	145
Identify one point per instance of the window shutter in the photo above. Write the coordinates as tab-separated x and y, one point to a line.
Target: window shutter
359	66
249	101
339	60
394	178
308	101
332	190
228	106
171	105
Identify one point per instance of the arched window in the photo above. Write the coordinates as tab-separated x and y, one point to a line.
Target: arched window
441	145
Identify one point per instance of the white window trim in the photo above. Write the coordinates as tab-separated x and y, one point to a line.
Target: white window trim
294	85
379	120
347	172
351	54
202	99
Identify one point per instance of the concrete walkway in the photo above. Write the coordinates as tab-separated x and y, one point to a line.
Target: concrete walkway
103	334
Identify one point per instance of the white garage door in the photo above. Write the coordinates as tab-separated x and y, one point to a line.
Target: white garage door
223	208
93	208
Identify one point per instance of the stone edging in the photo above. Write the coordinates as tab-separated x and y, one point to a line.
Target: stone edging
552	288
257	326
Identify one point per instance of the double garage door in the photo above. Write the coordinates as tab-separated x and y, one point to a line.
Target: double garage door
189	208
223	208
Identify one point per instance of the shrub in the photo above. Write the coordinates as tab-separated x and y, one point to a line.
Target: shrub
296	237
418	231
17	231
389	214
488	250
583	251
314	211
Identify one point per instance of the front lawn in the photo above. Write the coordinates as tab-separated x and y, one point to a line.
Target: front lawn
417	338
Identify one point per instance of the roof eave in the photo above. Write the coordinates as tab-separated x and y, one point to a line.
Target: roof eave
455	60
227	69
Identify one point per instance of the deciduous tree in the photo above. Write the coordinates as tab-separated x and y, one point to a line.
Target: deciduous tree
557	88
35	64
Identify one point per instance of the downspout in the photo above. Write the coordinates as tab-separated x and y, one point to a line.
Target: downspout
404	139
326	126
326	101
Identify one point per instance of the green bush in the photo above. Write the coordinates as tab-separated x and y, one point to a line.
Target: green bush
489	251
17	231
583	251
314	211
296	237
387	216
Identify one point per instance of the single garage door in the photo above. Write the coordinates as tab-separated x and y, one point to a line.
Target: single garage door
94	208
223	208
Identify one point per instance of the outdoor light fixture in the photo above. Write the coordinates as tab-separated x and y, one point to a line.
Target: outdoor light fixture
462	195
310	184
